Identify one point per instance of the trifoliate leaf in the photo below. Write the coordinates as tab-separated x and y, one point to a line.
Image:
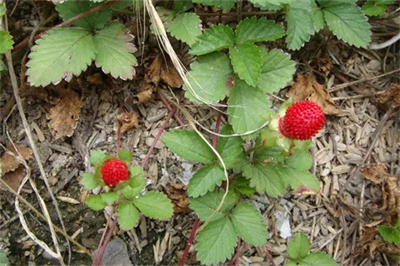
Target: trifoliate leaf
125	155
109	197
265	179
300	160
128	215
214	39
2	9
114	51
246	105
389	233
209	77
229	148
318	17
95	202
299	246
205	180
154	205
97	157
95	21
246	61
297	178
249	224
348	23
216	242
300	25
276	70
251	30
318	259
6	41
204	206
89	181
186	27
189	145
219	4
59	54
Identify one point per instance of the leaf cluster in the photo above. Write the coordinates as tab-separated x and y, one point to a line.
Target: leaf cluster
6	41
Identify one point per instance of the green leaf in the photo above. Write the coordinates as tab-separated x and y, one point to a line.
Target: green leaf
389	233
128	215
265	179
209	77
277	70
291	263
318	17
130	192
229	148
297	178
300	24
329	3
249	224
204	206
299	246
397	225
95	202
205	180
95	21
246	61
189	145
267	5
186	27
137	172
2	9
371	8
154	205
125	155
300	160
246	105
241	185
216	242
219	4
251	30
89	181
97	157
182	5
109	197
273	154
348	23
6	41
59	54
3	253
318	259
214	39
114	51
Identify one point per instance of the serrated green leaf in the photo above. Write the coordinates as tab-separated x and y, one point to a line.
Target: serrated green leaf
182	5
372	8
137	171
97	157
249	224
291	263
214	39
241	163
318	17
264	178
251	30
272	154
300	160
89	181
209	77
2	9
229	147
241	185
128	215
109	197
330	3
219	4
125	155
205	180
246	61
186	27
300	24
95	202
348	23
189	145
154	205
246	105
114	51
6	41
276	70
389	233
299	246
204	206
95	21
318	259
59	54
297	178
216	242
130	192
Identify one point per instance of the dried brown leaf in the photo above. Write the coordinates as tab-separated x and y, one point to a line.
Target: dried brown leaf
170	76
63	117
144	96
392	95
128	121
9	162
177	194
376	173
307	88
13	178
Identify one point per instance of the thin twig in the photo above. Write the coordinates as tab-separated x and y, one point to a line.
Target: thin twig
99	255
269	256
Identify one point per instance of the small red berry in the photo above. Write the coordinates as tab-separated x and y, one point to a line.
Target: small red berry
114	171
302	120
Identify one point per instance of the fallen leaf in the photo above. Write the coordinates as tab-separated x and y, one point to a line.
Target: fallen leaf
376	173
63	117
392	95
144	96
13	178
9	162
128	121
170	75
307	88
177	194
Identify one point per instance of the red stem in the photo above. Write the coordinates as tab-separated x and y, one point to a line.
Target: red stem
100	253
238	252
165	102
217	124
269	256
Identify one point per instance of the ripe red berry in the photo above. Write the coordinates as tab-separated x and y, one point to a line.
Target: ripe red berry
302	120
114	171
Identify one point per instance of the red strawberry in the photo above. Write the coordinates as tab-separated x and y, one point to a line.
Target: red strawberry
302	120
114	171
